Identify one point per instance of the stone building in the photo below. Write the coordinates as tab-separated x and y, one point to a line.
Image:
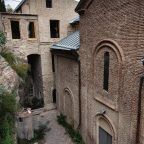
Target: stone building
66	68
111	55
31	30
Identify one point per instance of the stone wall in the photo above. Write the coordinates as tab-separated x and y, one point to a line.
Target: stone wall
61	10
8	77
116	27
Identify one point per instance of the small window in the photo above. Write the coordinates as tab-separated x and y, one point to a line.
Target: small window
54	28
49	3
31	30
106	71
104	137
15	29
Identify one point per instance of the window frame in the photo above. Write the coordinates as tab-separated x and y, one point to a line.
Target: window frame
58	24
19	30
49	5
34	30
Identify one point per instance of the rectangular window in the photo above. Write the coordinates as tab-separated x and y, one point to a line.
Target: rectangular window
15	29
54	28
49	3
31	30
104	137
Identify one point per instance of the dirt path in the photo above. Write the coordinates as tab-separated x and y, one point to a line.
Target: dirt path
57	133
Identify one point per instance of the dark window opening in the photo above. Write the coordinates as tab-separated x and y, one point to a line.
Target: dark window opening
54	96
49	3
106	71
31	30
20	119
15	28
104	137
54	28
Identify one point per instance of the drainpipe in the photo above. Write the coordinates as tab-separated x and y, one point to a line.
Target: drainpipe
139	111
79	65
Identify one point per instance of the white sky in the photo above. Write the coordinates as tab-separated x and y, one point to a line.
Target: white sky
14	3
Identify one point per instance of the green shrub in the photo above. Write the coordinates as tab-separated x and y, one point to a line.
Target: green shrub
21	69
7	111
74	134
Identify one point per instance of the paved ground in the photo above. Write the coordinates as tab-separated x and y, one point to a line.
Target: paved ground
57	133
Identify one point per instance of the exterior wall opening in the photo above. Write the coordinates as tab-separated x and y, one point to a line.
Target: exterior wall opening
31	30
104	137
106	71
33	92
49	3
54	28
15	29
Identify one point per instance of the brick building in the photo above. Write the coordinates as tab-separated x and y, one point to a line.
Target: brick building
33	27
111	54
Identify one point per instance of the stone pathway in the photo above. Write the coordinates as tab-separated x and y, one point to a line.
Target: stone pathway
57	133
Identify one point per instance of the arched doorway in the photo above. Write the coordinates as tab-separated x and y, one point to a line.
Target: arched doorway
104	131
33	84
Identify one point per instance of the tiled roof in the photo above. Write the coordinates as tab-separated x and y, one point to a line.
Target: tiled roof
76	19
71	42
20	4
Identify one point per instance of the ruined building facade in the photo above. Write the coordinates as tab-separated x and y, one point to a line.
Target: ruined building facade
31	30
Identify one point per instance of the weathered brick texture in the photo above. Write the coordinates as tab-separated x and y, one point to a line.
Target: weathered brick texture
116	27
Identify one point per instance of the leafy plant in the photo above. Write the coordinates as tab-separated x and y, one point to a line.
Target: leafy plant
7	110
74	134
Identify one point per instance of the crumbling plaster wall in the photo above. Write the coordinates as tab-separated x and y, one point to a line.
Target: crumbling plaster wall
61	10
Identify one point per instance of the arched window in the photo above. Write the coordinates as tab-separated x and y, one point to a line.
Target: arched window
106	71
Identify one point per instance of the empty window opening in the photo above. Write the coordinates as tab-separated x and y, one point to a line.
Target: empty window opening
104	137
20	119
15	29
49	3
31	30
106	71
54	28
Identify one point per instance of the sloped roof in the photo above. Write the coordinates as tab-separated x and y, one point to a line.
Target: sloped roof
74	20
71	42
82	6
20	4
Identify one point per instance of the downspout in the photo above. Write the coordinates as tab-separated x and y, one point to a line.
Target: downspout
139	110
79	65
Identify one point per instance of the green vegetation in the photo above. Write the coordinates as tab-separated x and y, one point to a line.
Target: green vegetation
18	66
7	99
2	6
38	135
7	116
74	134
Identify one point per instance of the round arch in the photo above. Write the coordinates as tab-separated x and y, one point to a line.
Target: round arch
69	105
111	45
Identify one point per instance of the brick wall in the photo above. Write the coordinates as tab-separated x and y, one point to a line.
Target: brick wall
117	27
